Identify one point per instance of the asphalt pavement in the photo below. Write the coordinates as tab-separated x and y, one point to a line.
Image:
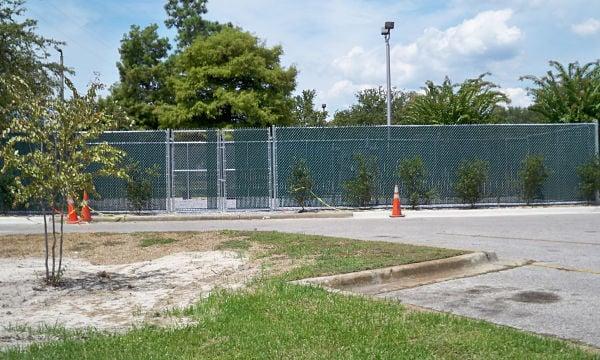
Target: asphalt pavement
559	294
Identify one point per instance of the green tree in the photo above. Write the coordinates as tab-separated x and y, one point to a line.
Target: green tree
229	78
186	17
304	113
143	72
58	165
589	178
371	108
471	102
360	189
139	186
24	58
301	183
470	180
413	175
533	174
567	94
517	115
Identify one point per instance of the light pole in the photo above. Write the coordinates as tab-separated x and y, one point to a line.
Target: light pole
385	31
62	75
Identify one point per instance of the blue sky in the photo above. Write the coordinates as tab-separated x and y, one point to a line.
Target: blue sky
337	47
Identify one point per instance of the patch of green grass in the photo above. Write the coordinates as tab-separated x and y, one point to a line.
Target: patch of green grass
337	255
234	244
275	319
156	240
279	320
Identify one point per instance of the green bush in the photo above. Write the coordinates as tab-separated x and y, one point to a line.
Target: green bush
412	173
589	178
360	190
301	183
139	186
471	177
533	174
6	196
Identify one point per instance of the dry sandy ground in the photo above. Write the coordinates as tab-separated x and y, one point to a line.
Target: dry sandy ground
112	282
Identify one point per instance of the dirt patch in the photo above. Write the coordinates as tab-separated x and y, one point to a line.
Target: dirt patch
110	249
111	297
536	297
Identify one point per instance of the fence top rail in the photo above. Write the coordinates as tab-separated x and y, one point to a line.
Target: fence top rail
436	125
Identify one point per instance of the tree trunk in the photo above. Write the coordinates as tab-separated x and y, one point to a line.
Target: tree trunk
44	211
53	243
60	246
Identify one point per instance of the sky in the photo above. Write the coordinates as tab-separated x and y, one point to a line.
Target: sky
337	47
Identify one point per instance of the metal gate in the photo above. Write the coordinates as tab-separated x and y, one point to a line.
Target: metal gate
220	170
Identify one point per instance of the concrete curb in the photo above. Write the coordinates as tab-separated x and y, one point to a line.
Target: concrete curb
227	216
378	276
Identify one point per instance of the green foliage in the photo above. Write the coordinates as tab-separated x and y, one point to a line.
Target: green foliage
60	158
533	174
360	190
589	178
186	17
371	108
24	58
6	196
413	175
474	102
139	186
304	113
517	115
567	94
301	183
471	177
143	71
229	78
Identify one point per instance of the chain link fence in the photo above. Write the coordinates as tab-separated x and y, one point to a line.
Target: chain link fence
330	155
246	169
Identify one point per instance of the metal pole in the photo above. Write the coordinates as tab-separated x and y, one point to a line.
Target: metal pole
389	80
62	75
597	136
275	169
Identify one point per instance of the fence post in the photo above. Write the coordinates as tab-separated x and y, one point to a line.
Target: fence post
270	169
597	136
274	168
167	171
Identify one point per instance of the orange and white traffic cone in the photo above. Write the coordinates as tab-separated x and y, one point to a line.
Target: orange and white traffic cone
71	213
86	214
396	206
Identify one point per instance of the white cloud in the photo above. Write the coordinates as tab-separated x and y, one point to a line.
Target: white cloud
518	97
487	37
588	27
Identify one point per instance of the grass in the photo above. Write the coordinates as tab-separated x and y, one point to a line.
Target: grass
315	255
275	319
155	240
279	320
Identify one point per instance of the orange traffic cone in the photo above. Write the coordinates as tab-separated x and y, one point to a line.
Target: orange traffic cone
71	213
396	207
86	214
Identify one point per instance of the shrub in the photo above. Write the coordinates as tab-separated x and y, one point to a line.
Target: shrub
471	177
589	178
533	174
139	186
413	174
301	183
6	197
360	190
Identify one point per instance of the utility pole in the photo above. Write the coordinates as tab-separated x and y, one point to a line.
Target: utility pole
386	31
62	76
